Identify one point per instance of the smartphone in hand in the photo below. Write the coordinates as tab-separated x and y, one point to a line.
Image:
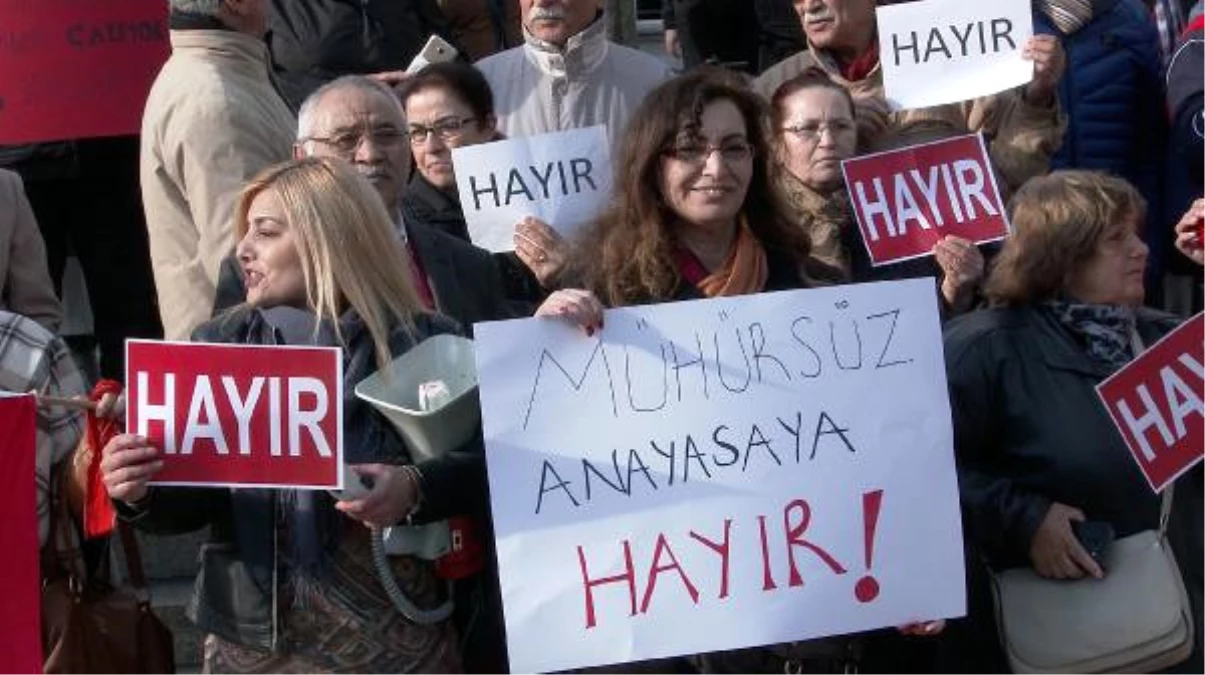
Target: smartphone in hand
437	50
1096	536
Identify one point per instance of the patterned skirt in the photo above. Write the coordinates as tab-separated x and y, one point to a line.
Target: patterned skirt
347	624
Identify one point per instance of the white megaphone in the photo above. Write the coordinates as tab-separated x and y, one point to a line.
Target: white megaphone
444	421
429	394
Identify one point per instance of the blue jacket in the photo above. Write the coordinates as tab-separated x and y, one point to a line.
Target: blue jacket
1186	142
1112	93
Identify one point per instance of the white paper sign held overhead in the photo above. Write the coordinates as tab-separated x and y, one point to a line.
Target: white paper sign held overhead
562	178
936	52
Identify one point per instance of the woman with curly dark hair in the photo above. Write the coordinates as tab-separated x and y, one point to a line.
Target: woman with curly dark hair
695	215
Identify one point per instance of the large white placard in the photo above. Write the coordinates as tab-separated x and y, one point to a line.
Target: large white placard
562	178
721	473
945	51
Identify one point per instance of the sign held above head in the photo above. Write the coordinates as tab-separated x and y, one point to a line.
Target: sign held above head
562	179
936	52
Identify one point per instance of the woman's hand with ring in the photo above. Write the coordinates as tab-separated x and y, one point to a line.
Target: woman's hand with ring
540	248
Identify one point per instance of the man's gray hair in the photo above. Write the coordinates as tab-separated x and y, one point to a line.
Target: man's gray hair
305	116
206	7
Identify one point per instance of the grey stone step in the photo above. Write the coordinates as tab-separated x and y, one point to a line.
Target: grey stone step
169	597
171	556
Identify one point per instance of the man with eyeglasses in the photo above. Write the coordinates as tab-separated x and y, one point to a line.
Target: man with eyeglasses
358	120
213	119
567	75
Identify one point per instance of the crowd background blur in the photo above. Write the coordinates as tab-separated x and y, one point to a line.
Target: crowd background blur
729	120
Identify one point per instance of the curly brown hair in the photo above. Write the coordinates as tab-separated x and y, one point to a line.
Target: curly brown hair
627	255
1058	222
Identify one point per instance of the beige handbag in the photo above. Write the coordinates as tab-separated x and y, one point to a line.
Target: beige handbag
1137	619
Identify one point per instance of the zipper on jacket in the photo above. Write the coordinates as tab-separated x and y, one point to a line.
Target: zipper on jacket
366	33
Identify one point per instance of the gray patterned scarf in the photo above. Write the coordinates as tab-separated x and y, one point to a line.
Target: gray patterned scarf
1103	330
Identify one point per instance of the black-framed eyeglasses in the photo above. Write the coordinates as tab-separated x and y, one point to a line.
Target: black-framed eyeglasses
347	142
731	152
448	129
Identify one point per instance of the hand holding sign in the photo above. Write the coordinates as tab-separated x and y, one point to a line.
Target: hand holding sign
540	248
947	51
925	200
562	178
1157	405
576	306
130	462
1049	62
962	264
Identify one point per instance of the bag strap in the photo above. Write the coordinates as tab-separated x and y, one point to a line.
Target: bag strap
1165	506
1165	509
129	546
62	554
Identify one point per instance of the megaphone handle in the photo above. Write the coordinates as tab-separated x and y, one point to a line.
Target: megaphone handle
402	603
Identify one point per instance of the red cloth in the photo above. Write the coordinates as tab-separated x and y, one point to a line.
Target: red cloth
421	284
860	67
1198	23
99	515
689	266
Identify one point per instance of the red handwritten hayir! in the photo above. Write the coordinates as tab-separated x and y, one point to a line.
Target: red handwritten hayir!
796	518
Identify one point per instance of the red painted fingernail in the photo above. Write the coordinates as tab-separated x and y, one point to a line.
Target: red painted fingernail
589	331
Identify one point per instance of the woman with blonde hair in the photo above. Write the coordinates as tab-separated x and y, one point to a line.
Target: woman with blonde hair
1038	454
287	582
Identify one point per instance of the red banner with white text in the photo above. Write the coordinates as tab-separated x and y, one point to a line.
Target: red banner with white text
907	200
77	68
1156	403
238	415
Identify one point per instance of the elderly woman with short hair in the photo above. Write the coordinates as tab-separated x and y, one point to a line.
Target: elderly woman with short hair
814	130
1037	451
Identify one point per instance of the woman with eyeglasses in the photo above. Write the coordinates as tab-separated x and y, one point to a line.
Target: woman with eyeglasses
695	215
814	130
450	105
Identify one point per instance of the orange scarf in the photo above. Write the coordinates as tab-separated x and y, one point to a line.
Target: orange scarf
744	271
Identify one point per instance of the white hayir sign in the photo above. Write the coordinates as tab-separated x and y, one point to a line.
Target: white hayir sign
562	178
945	51
721	473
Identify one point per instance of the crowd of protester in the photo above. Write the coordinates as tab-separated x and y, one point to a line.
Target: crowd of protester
290	167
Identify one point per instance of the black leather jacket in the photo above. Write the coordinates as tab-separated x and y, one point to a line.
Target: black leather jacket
315	41
235	595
